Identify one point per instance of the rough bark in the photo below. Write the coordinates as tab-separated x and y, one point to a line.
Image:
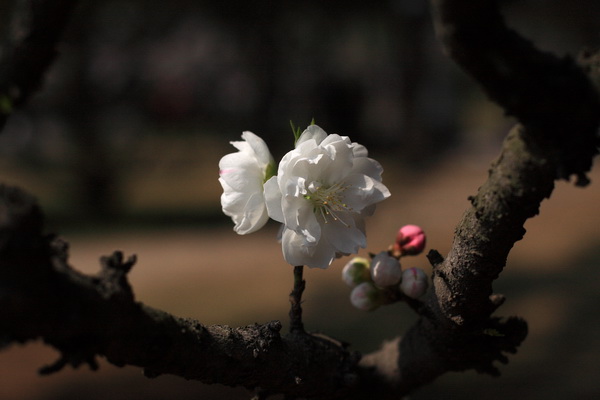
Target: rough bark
550	96
558	112
42	297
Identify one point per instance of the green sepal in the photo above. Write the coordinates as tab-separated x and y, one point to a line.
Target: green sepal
296	131
270	171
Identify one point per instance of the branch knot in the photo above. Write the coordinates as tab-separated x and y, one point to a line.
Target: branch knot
113	275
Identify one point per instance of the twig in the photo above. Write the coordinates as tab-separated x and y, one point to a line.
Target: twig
296	324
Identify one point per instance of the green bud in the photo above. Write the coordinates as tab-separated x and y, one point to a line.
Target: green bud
366	296
356	271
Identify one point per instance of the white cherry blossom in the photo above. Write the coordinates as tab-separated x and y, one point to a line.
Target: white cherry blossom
323	190
242	175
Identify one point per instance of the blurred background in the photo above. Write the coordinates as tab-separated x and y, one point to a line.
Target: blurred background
121	147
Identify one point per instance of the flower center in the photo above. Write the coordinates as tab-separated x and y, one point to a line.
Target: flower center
328	202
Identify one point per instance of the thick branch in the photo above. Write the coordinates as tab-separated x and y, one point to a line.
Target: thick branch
85	316
29	50
552	97
558	110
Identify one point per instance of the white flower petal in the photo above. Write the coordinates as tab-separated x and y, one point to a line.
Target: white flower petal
241	175
338	164
363	191
308	225
368	211
296	252
359	150
232	201
294	249
346	238
259	148
368	167
273	199
254	217
313	132
326	185
323	256
335	138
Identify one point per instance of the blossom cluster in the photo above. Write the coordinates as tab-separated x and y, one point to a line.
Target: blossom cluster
380	280
320	192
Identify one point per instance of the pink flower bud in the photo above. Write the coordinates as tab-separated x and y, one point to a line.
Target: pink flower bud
414	282
356	271
410	240
385	270
366	296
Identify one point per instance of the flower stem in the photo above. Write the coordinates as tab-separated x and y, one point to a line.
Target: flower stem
296	324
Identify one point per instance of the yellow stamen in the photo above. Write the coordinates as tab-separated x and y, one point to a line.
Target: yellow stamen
327	201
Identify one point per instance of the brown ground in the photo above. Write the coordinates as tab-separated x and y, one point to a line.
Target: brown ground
221	278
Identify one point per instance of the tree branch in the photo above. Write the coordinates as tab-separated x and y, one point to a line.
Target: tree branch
550	96
296	324
41	296
557	107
